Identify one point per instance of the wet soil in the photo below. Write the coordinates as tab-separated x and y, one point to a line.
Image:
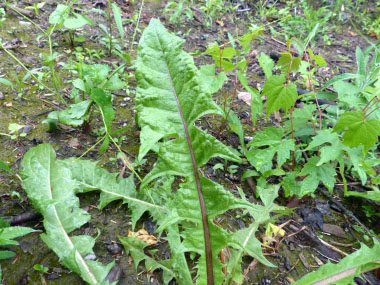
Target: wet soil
294	255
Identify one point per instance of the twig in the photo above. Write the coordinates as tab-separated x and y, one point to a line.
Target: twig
25	12
333	248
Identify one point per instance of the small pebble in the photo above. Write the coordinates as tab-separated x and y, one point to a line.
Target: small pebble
2	96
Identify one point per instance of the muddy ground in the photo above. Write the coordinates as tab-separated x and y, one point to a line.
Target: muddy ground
294	256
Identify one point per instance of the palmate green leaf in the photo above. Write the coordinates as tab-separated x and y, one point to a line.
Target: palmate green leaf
271	138
358	129
212	83
51	190
288	63
280	95
330	152
135	247
91	177
344	272
314	174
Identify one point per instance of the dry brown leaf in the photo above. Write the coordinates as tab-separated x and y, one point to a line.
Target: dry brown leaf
220	23
144	236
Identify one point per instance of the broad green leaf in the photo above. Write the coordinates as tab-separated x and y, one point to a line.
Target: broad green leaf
302	121
14	232
78	22
169	99
287	63
361	61
118	20
348	93
168	85
5	254
5	166
6	82
314	174
174	156
76	114
59	15
357	158
372	195
358	129
344	272
280	95
267	64
114	83
91	177
271	138
212	83
51	190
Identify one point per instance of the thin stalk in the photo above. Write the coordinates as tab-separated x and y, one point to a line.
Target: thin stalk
293	138
225	106
374	110
369	104
24	67
137	26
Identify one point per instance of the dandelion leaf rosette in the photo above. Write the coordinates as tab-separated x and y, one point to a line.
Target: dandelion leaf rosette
51	189
169	100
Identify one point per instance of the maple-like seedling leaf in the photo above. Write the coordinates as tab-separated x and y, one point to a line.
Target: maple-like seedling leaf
288	63
271	138
358	129
314	174
280	95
